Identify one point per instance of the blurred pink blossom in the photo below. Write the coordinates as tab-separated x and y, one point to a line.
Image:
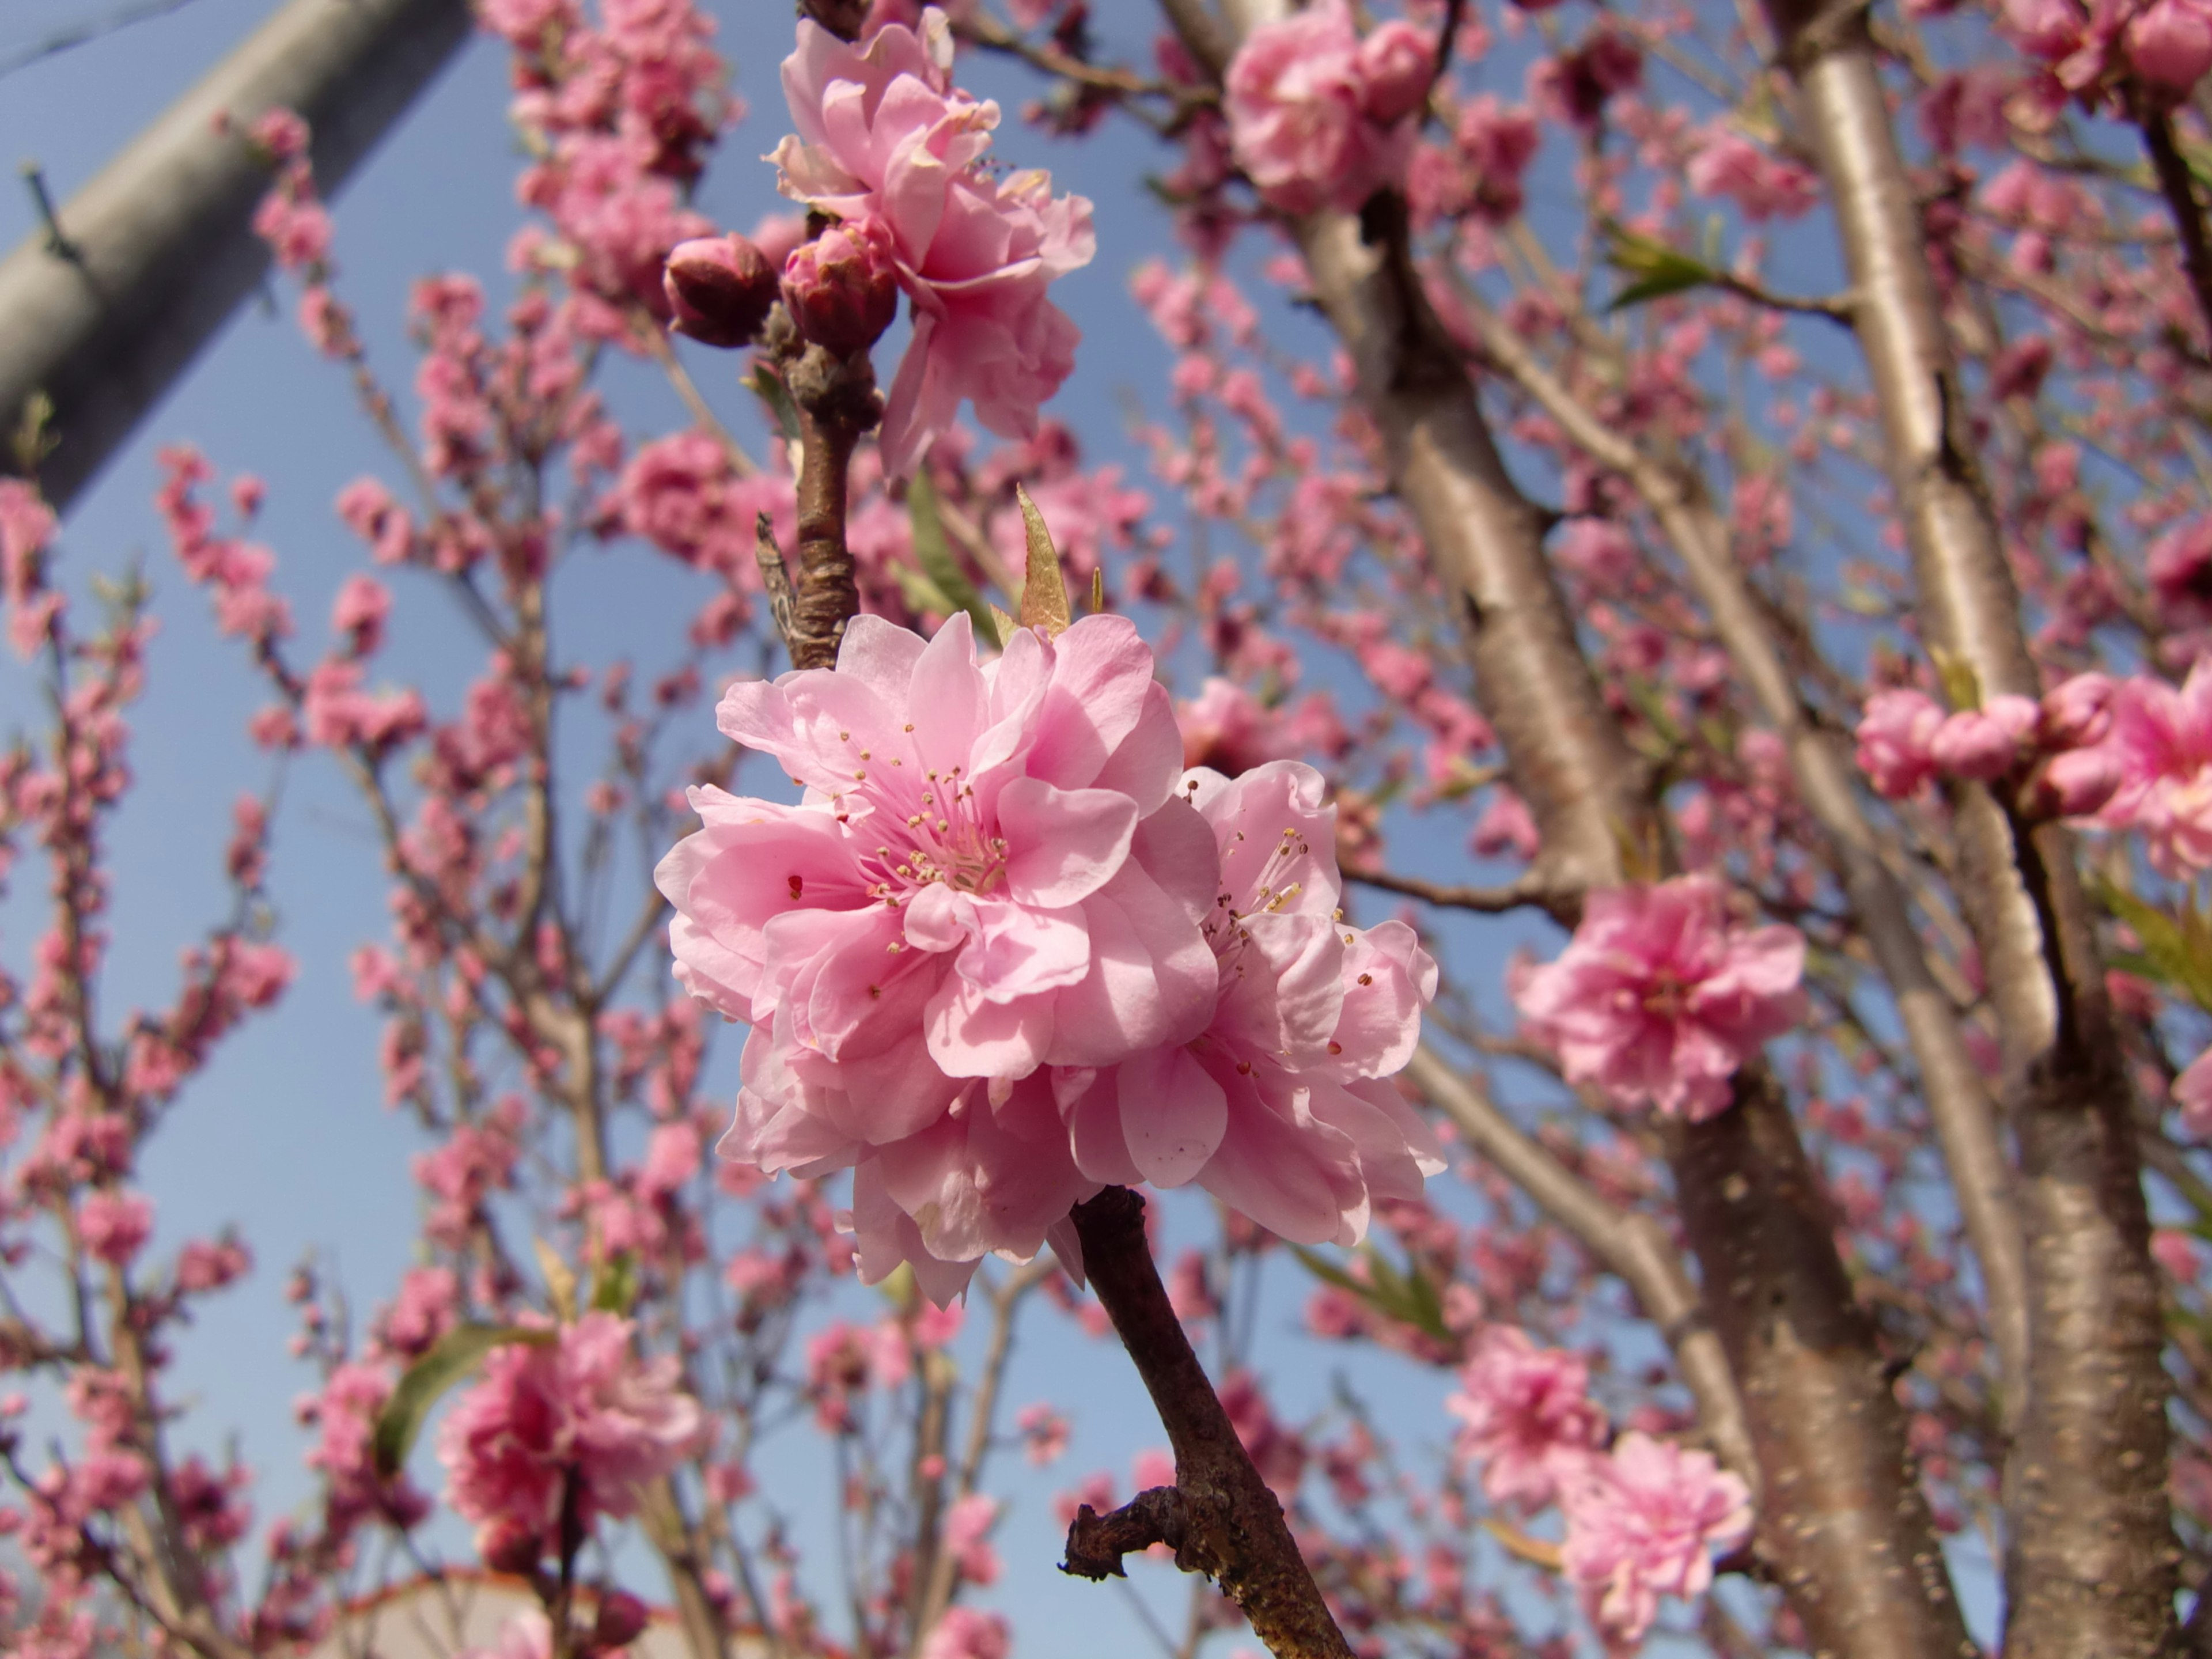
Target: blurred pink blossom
1643	1522
1658	998
1317	117
1528	1415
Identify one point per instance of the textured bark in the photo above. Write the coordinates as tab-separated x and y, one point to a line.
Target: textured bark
2091	1556
2179	189
837	403
1841	1516
1820	1413
1951	1084
1220	1517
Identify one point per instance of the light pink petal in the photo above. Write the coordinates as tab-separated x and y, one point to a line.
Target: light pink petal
1294	1174
1067	843
1101	675
972	1037
1173	1113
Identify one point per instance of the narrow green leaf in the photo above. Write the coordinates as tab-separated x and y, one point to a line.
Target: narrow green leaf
772	392
614	1288
934	554
456	1354
1044	588
1656	269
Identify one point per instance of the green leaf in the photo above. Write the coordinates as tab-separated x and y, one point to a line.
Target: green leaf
614	1288
1044	588
1406	1296
934	554
1962	686
2177	950
424	1382
1656	269
771	390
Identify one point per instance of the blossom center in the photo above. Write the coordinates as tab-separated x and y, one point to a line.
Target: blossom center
945	839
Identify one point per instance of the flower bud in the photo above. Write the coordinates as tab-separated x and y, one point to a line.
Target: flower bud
1983	744
622	1617
2077	712
720	289
510	1545
1395	65
2075	784
842	289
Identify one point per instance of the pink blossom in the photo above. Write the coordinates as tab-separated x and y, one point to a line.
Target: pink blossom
427	1307
581	1406
1226	728
965	1633
359	612
1506	828
1895	739
1643	1522
2077	711
972	886
1528	1416
1281	1107
1985	744
114	1227
1316	119
968	1526
1727	164
2075	784
884	140
2169	45
2163	739
1658	1000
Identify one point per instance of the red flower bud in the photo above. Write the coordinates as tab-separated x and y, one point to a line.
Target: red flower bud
720	289
622	1617
842	289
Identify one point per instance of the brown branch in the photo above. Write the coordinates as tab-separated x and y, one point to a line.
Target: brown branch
837	403
1522	895
1227	1523
2090	1564
2178	186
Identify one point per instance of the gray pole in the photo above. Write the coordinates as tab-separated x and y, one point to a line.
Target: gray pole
157	250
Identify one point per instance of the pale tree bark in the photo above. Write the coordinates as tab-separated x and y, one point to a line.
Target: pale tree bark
2091	1555
1951	1084
1842	1521
157	251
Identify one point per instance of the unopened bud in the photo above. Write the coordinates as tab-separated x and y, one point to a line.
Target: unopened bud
2075	784
842	289
2078	713
720	289
511	1545
621	1618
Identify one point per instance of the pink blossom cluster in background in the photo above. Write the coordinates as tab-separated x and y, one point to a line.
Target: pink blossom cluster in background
1644	1517
574	1427
1004	952
1321	117
1659	998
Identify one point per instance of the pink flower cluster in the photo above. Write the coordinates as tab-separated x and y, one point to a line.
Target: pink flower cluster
1659	998
1643	1516
2165	44
1906	740
2131	754
1528	1413
581	1410
1000	955
1644	1521
1319	117
623	110
886	144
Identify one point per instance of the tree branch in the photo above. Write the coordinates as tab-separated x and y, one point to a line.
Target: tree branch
2090	1566
1958	1104
1221	1516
